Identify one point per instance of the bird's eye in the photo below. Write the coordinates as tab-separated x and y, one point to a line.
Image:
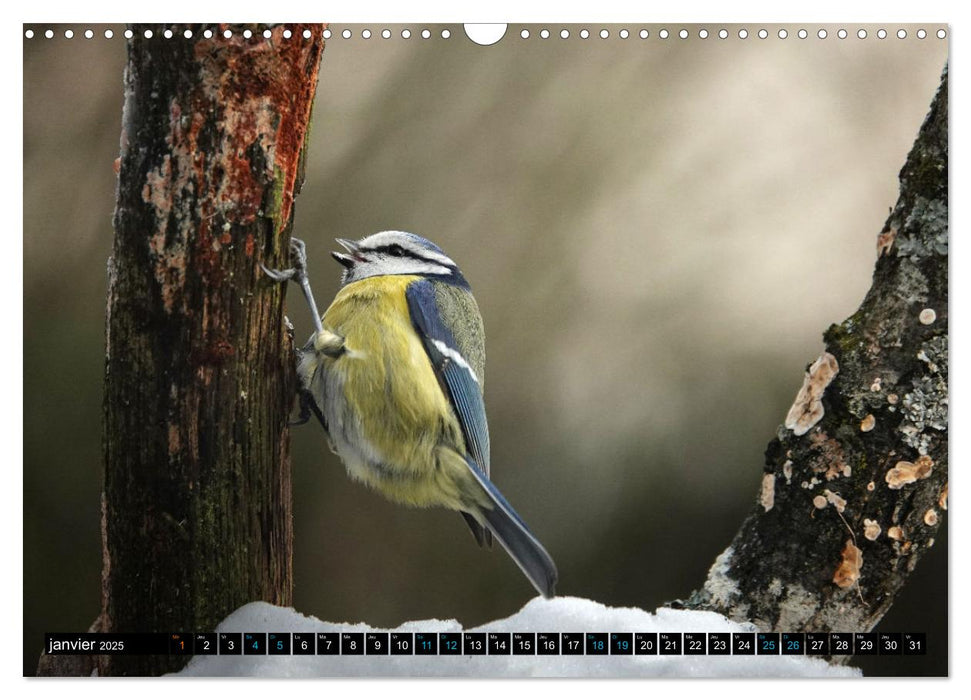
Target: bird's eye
396	250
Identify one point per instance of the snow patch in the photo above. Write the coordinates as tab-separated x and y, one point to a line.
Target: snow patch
563	614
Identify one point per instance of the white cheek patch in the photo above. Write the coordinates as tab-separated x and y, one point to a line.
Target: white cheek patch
387	265
409	266
454	356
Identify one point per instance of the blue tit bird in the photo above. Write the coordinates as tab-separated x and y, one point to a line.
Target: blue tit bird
394	372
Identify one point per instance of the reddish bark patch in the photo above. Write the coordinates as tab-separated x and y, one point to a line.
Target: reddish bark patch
266	91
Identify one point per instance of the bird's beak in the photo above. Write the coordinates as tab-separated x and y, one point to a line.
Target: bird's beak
348	260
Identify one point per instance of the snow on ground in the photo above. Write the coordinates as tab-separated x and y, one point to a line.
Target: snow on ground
563	614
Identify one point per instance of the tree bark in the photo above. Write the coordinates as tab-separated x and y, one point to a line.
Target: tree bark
196	510
855	483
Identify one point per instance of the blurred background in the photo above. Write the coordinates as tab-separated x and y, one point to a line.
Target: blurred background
657	233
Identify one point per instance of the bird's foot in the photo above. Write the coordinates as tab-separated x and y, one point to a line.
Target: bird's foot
297	273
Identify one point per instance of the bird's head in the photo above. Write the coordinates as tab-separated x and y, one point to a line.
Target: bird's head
395	253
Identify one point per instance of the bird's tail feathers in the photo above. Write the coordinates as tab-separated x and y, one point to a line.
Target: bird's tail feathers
516	538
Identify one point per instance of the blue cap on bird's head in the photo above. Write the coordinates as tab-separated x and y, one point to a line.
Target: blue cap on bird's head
395	253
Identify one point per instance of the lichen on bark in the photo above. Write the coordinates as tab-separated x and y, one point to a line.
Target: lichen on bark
840	540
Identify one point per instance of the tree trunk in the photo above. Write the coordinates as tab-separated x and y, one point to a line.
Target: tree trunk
855	483
199	369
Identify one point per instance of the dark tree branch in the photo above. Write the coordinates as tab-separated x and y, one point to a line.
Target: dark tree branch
855	484
199	370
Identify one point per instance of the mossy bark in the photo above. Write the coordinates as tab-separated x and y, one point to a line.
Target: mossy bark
869	477
199	369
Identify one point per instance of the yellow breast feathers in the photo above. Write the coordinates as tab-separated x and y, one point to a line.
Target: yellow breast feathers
394	416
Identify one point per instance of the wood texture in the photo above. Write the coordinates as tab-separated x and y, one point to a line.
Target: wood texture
199	369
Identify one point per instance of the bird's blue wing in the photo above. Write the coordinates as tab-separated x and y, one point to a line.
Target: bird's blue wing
434	320
448	322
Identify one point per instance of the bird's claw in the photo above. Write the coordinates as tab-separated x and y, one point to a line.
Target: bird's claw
298	274
298	253
279	275
298	249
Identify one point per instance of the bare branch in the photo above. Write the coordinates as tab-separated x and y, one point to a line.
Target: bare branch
855	484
